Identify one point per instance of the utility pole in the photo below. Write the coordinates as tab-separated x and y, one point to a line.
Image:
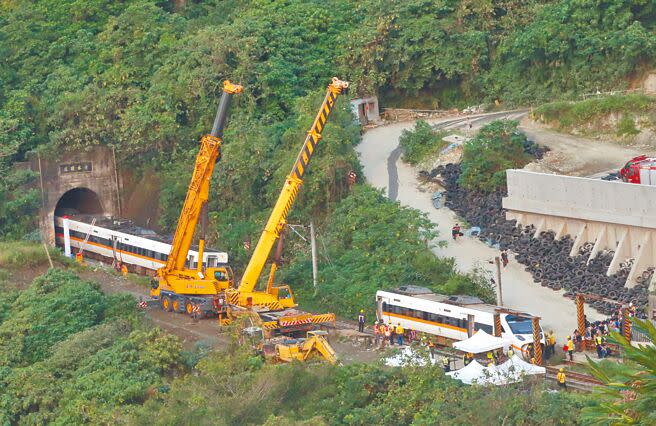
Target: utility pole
313	243
499	292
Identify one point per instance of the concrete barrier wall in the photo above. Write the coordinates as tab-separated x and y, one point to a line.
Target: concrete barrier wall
581	198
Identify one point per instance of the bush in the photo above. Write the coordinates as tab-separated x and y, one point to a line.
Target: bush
421	142
355	394
71	355
20	254
626	126
572	114
497	147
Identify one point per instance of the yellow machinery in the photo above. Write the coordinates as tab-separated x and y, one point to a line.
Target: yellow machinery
179	287
315	345
277	298
278	350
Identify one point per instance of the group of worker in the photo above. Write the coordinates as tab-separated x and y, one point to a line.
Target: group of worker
121	267
384	333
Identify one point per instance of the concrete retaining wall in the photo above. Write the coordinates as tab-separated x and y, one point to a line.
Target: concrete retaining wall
581	198
615	216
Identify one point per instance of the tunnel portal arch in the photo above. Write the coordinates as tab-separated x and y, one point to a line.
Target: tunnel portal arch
79	201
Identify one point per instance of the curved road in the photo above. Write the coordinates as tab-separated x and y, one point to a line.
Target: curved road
380	157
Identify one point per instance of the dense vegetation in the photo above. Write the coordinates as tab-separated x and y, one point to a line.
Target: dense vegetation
99	362
350	395
421	142
497	147
145	75
70	354
594	116
372	243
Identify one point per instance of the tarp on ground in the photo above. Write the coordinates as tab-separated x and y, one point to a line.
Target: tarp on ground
517	367
473	372
512	371
406	356
481	342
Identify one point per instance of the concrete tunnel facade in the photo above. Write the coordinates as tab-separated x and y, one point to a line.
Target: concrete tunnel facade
85	182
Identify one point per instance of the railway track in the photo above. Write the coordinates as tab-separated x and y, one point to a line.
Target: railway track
574	380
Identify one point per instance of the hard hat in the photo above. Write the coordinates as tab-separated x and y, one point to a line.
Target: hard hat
569	337
561	370
361	310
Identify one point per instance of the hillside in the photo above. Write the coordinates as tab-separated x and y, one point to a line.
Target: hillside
145	76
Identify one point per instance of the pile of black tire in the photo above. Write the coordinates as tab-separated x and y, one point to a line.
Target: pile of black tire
545	258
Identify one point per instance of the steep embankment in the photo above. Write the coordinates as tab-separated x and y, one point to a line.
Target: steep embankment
627	120
520	291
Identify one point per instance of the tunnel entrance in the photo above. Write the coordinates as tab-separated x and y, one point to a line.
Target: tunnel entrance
78	201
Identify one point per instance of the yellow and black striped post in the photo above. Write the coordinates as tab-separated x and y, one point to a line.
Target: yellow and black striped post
627	324
497	324
580	313
537	347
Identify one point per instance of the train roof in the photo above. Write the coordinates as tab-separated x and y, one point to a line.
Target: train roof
456	300
126	226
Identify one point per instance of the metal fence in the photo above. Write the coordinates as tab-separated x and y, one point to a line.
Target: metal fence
613	93
639	336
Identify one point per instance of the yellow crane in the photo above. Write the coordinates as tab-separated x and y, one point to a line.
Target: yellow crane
277	298
178	286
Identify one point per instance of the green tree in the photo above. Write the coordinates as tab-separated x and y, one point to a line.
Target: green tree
498	146
628	396
420	142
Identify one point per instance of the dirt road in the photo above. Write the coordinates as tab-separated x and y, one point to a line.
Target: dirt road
576	156
206	332
520	292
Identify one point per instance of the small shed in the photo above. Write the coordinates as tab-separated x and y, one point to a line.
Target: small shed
366	110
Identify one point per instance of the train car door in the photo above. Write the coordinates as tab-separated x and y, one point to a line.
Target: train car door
381	307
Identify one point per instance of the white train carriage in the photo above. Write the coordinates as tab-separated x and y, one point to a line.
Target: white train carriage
145	250
448	316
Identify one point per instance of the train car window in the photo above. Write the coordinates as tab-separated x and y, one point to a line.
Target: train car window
385	308
519	325
486	328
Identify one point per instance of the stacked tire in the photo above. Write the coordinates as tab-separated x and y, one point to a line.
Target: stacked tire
546	258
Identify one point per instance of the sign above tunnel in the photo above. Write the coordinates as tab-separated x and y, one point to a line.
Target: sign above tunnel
75	167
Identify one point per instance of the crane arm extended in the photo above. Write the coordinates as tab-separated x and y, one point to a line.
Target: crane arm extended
198	192
278	218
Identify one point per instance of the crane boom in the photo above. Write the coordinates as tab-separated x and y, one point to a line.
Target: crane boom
278	218
198	191
180	287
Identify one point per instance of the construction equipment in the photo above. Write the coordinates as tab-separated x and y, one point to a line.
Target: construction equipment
278	298
313	346
180	287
